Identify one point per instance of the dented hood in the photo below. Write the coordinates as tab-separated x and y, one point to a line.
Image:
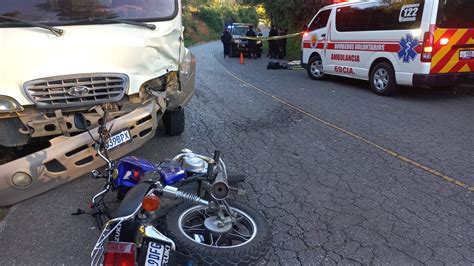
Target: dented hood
142	54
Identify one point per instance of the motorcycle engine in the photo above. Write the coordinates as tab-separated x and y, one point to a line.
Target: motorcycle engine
192	163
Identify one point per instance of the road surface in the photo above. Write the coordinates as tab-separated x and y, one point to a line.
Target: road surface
342	175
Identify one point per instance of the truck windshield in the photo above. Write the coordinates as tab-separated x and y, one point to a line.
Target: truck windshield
240	31
63	12
455	14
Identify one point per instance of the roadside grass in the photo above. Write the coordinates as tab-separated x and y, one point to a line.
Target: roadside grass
293	48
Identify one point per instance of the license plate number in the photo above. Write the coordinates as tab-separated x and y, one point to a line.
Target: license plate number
466	54
157	254
118	139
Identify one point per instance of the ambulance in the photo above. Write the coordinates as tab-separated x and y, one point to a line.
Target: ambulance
425	43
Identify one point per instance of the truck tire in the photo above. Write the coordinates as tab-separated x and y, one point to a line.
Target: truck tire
382	79
173	122
233	51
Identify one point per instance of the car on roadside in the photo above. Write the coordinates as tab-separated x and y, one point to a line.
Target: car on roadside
61	58
239	44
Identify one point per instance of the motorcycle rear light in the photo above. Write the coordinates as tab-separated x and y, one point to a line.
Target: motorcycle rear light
119	254
136	173
151	203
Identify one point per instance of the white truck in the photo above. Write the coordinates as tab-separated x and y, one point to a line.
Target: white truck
125	57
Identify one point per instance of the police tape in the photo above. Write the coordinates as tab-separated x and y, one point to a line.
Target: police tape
273	38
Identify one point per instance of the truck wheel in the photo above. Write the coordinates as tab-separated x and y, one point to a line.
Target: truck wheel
233	52
315	68
173	122
382	79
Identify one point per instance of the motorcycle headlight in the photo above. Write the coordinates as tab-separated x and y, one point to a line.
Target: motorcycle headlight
259	42
8	105
185	67
236	41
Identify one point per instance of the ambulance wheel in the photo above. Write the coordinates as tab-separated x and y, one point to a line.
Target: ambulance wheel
315	68
382	79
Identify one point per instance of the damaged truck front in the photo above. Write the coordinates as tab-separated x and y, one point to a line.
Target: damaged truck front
125	57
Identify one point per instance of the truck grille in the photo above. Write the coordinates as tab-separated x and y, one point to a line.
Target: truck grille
76	90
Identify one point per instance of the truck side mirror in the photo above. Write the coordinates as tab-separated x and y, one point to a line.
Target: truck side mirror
80	121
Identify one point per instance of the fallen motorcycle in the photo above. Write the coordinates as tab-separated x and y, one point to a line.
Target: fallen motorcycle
204	228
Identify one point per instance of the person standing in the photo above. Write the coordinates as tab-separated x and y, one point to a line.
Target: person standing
280	43
251	43
272	43
226	39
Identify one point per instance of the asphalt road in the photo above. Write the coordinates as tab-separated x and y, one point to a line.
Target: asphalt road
342	175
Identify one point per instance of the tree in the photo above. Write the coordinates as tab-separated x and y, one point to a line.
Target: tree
290	13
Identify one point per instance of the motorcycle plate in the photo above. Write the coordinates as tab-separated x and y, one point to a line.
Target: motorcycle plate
154	252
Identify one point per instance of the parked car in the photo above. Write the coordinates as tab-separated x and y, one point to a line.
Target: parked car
239	44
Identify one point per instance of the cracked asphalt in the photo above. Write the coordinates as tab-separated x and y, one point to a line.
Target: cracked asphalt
329	195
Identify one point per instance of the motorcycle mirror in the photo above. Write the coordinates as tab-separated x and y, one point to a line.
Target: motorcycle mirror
80	121
260	35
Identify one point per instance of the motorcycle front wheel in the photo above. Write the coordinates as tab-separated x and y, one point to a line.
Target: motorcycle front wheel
194	229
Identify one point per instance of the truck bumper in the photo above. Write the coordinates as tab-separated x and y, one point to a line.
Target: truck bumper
71	157
449	79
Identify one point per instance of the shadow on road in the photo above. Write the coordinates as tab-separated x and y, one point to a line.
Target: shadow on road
412	93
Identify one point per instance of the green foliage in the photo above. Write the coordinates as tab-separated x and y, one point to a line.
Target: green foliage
212	17
290	14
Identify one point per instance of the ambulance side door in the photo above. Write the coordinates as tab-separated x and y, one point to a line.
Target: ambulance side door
317	38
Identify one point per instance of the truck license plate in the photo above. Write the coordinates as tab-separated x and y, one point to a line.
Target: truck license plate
118	139
466	54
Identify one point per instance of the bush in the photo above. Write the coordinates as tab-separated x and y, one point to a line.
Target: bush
212	17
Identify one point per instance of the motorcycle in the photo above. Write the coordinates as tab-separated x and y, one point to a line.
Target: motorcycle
205	227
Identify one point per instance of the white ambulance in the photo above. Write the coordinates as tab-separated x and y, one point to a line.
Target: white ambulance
393	42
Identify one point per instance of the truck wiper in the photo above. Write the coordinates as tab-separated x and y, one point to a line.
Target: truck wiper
124	21
55	31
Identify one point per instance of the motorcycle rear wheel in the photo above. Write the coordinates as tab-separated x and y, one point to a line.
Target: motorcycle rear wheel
247	242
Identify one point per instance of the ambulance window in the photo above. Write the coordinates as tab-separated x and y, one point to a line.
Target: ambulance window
321	20
380	16
353	18
455	14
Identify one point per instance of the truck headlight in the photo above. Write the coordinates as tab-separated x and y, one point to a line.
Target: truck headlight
8	105
185	67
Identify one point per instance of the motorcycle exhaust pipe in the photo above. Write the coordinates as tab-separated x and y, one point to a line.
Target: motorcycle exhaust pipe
175	193
220	188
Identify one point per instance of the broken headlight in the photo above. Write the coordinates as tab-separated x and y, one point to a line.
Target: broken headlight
185	67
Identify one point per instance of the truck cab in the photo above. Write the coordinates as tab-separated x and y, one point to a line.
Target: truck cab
123	57
239	44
